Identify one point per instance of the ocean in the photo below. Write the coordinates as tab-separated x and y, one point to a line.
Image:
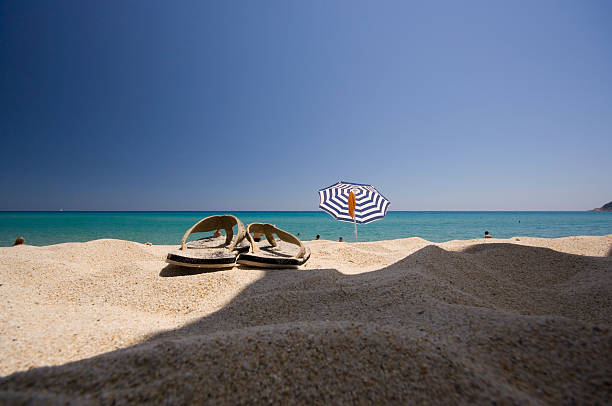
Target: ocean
45	228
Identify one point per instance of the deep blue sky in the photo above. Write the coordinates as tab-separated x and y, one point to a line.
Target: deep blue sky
237	105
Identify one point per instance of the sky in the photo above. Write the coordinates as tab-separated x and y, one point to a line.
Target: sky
255	105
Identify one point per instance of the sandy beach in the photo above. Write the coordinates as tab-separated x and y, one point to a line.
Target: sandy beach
498	321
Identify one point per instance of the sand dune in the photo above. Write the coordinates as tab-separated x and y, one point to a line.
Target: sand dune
522	320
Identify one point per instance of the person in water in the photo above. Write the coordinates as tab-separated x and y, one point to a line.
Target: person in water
19	241
487	235
317	237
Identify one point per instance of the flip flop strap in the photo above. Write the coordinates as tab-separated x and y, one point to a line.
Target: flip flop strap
268	230
212	223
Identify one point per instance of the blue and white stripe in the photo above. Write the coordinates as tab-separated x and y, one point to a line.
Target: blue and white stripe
370	205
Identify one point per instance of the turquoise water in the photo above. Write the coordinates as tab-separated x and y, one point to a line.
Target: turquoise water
44	228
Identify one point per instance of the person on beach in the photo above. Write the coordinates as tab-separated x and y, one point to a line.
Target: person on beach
217	233
317	237
340	239
19	241
257	236
487	235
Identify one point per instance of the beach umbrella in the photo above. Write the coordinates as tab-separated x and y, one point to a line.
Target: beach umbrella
353	202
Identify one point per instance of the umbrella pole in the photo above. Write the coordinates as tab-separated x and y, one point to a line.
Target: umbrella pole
355	222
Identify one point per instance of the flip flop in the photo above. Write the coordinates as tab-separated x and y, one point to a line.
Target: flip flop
288	252
211	252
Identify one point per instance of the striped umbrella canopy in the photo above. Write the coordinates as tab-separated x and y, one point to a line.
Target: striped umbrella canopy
370	205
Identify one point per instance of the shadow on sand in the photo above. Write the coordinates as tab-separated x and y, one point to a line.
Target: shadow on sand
171	271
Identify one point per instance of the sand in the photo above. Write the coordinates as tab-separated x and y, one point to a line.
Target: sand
516	321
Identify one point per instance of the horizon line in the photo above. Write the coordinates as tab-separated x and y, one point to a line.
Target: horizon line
287	211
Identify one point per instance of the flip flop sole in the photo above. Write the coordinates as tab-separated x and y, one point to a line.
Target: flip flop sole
215	266
262	265
223	262
271	262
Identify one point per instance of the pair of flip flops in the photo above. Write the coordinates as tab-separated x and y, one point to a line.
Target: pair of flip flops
225	251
